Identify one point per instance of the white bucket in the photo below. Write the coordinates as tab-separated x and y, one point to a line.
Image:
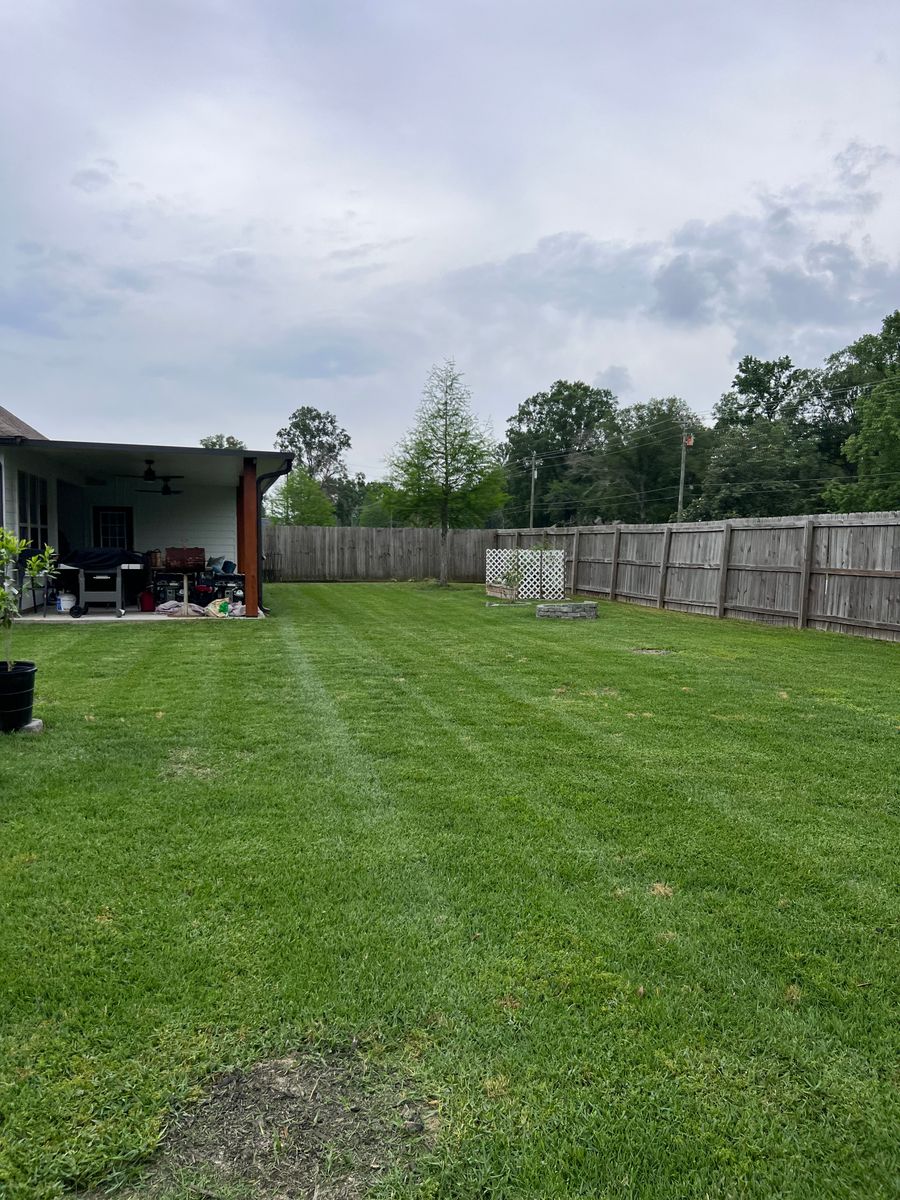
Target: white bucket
65	601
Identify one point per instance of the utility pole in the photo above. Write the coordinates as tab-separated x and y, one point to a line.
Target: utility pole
535	463
687	439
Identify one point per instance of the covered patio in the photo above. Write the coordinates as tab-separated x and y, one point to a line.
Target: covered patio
171	505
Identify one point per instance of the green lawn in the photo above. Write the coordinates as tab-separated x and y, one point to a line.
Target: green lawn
632	919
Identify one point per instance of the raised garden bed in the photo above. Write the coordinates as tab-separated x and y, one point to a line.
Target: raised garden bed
502	591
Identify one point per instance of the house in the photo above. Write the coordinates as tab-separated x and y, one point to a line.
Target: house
75	495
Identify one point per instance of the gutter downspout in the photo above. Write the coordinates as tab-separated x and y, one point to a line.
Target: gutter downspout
263	482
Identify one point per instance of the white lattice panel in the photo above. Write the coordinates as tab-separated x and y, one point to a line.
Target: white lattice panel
541	573
499	563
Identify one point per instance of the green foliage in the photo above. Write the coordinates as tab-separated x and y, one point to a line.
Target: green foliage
299	500
318	444
767	391
349	494
381	506
786	439
598	462
430	831
446	471
560	426
635	477
37	568
759	469
875	451
871	357
222	441
792	440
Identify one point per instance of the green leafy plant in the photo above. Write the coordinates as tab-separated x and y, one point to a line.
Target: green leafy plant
39	567
512	578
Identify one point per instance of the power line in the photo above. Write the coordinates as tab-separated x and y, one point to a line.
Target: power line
813	484
670	421
643	430
597	452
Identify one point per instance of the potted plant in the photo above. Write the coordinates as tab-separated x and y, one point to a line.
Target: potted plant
17	678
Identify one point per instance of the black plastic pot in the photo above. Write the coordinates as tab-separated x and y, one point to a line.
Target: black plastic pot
16	695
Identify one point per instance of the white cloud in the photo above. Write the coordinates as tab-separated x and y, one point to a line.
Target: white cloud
219	211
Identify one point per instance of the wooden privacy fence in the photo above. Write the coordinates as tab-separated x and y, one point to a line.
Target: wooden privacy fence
351	553
839	572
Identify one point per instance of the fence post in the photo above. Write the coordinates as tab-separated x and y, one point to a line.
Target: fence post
809	534
723	569
574	560
614	566
664	567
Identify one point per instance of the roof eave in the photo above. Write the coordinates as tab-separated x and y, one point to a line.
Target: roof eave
125	447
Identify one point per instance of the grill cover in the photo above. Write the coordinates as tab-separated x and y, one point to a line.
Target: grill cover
101	558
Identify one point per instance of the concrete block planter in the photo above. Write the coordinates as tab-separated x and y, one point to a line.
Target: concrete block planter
583	611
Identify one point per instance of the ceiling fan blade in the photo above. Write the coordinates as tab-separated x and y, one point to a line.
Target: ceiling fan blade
151	476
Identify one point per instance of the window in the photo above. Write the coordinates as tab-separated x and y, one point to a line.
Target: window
114	528
33	519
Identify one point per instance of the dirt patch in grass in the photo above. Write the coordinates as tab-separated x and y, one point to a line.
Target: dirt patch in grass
186	764
314	1126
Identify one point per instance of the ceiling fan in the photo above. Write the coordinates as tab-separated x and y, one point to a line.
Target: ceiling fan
150	475
166	489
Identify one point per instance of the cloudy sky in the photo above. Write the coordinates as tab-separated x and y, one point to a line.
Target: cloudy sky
213	211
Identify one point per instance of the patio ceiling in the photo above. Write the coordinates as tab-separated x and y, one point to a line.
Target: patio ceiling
103	460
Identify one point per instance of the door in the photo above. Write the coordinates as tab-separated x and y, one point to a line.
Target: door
114	527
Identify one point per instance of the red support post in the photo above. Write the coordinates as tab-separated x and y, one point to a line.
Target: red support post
248	537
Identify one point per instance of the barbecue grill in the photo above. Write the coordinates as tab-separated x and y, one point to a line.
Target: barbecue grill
100	577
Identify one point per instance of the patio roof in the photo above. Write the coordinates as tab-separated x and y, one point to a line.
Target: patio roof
102	460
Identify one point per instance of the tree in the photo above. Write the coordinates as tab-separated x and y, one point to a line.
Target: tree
777	443
381	504
760	470
556	427
318	444
871	357
848	375
773	390
875	449
634	476
299	500
447	470
221	441
349	495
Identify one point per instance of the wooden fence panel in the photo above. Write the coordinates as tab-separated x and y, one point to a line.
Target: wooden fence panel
637	577
594	566
771	548
839	572
692	575
759	591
